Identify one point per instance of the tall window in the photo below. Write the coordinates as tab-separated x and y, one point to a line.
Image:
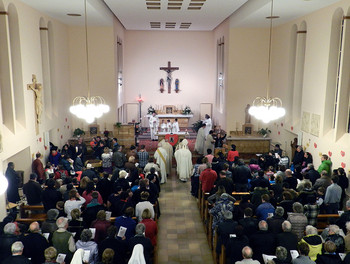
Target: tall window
292	59
120	71
220	71
299	71
16	65
333	74
5	72
45	61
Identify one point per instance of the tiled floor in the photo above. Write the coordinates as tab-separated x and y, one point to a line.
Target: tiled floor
181	237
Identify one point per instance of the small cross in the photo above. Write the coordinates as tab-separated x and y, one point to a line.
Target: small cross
169	70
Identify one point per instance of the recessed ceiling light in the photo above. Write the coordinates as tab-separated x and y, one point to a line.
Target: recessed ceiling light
74	15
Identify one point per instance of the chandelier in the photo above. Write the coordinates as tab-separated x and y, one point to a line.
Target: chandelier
88	107
267	108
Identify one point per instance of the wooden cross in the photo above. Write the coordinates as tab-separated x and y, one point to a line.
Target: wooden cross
37	89
169	70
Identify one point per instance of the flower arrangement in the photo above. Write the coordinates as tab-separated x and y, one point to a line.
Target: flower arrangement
264	132
187	111
150	110
78	132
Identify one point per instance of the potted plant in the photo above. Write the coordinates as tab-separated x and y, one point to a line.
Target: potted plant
264	132
197	125
118	124
187	111
150	110
78	132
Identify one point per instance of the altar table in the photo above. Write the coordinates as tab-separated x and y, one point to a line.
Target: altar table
183	120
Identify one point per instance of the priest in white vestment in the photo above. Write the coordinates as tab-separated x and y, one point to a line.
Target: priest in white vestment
199	145
169	149
183	158
176	128
169	126
153	125
163	127
209	125
161	156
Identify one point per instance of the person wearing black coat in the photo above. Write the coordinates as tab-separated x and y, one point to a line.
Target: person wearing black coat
241	174
225	229
104	187
235	244
298	156
119	246
16	255
35	244
249	223
262	242
313	174
50	195
6	240
139	238
287	239
329	257
275	222
13	183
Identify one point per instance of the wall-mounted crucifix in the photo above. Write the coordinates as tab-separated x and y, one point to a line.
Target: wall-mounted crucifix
169	70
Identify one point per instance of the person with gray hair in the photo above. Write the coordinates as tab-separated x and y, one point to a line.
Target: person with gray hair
281	256
298	220
49	225
275	222
262	242
35	244
85	243
247	254
7	239
345	217
287	239
313	240
140	238
338	240
62	240
16	257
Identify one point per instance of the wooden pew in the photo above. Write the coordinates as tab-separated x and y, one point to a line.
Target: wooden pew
215	242
199	194
323	220
210	231
222	257
26	211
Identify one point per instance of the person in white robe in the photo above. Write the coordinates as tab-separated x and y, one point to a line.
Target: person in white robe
153	124
200	140
208	123
183	158
209	143
176	128
149	165
169	149
163	126
161	156
169	126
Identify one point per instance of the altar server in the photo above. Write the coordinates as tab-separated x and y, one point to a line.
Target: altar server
208	123
153	124
163	126
176	128
169	126
199	146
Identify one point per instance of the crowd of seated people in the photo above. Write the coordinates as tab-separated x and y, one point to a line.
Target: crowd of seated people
79	207
279	212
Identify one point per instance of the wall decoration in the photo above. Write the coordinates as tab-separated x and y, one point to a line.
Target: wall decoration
330	153
291	128
305	122
315	145
37	89
169	78
342	153
315	125
343	165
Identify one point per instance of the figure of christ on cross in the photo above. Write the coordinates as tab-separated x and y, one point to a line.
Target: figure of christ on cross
169	70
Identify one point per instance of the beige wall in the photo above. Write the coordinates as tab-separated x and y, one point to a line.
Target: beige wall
314	88
192	52
101	69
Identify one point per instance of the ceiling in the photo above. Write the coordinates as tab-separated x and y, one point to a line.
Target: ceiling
177	14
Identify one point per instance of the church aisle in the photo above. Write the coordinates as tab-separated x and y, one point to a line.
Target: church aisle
181	237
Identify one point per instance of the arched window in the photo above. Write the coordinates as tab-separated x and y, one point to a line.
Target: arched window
299	71
53	90
335	49
16	65
46	71
220	68
5	72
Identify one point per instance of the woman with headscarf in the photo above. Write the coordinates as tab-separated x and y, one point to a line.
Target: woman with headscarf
137	256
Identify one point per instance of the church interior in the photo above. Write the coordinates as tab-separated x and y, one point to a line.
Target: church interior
220	51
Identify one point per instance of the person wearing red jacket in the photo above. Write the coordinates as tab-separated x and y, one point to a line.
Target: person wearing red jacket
208	177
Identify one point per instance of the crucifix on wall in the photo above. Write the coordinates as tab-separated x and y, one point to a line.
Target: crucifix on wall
169	70
37	89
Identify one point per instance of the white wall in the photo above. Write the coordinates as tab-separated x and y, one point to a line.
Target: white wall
192	52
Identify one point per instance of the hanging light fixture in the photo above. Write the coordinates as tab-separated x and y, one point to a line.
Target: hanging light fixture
91	107
268	108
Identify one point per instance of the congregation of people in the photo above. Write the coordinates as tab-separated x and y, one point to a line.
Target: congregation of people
80	201
278	211
276	215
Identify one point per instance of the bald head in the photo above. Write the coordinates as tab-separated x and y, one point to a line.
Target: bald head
288	173
247	252
34	227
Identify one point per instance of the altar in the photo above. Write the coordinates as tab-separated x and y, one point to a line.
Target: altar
183	120
181	135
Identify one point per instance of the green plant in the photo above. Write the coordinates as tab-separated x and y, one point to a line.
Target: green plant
197	125
118	124
78	132
150	110
264	131
187	111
